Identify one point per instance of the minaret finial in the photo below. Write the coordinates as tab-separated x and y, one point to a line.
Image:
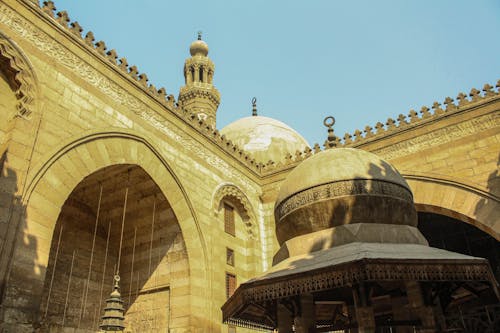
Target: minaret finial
199	35
254	106
331	141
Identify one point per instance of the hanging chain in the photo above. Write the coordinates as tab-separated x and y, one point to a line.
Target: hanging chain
67	290
53	270
86	289
152	231
104	268
132	270
123	226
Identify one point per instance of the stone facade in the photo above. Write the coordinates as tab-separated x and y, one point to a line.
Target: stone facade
73	118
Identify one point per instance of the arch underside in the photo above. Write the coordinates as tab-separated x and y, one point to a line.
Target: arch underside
52	184
463	202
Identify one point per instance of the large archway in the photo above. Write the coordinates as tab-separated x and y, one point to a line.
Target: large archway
477	311
86	246
52	182
457	199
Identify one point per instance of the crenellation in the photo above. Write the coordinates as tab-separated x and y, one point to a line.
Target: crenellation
425	112
76	29
123	64
111	55
62	18
358	135
488	90
143	80
49	8
391	124
413	116
97	116
379	129
402	120
133	72
368	131
348	138
475	95
450	106
89	39
462	99
436	106
100	47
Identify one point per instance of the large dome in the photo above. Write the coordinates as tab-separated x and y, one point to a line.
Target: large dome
342	186
264	138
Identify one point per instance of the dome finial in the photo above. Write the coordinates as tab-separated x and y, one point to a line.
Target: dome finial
254	106
331	141
199	34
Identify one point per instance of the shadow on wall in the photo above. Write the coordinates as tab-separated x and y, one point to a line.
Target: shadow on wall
493	187
20	271
342	213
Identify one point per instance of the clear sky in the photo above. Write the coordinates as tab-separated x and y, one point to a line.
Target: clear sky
360	61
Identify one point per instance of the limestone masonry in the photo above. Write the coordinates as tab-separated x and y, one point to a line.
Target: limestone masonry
119	199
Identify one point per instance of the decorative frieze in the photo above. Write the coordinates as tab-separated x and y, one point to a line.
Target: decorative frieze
356	272
439	136
341	188
115	92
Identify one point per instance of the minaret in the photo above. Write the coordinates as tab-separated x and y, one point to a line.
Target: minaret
199	96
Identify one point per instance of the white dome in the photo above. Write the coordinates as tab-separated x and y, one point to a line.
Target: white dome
264	138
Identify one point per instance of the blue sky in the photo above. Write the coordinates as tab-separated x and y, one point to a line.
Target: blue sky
360	61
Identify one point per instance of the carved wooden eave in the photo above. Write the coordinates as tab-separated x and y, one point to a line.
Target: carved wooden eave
262	292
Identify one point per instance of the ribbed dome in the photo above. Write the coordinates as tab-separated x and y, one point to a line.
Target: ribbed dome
342	186
264	138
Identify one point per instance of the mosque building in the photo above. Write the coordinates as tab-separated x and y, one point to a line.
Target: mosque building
125	208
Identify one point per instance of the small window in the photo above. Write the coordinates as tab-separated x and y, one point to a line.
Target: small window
229	256
230	284
231	329
229	219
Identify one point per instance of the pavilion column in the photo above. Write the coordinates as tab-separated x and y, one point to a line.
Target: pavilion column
400	312
417	305
306	322
364	311
285	319
196	73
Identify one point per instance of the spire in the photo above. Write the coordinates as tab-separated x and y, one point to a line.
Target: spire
113	318
198	95
331	141
254	107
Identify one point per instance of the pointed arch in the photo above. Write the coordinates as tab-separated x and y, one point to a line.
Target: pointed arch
235	195
60	171
458	199
23	76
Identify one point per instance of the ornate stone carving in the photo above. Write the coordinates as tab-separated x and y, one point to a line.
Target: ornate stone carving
240	200
119	95
25	77
439	136
341	188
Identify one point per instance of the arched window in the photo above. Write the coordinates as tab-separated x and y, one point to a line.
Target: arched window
229	225
201	74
